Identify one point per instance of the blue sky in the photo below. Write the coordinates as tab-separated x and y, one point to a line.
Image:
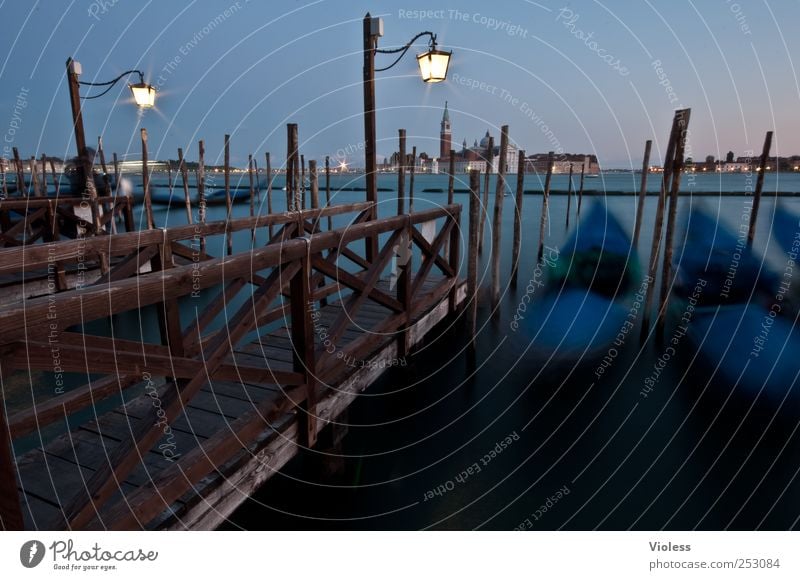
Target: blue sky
592	77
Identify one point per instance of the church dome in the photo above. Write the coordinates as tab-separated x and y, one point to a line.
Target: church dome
484	144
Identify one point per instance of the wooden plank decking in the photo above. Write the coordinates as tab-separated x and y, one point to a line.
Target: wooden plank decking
58	471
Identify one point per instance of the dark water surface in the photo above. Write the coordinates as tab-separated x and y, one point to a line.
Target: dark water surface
506	441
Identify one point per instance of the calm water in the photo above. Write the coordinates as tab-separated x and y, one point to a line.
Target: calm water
574	452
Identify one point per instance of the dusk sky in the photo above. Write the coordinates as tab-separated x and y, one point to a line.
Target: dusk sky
589	77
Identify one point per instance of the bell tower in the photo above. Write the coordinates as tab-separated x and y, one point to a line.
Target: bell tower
445	135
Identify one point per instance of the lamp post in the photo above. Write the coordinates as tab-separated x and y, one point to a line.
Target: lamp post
433	66
143	94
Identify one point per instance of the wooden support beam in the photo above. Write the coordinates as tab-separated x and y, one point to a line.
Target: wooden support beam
569	197
303	202
292	160
454	257
401	173
404	295
371	278
148	202
185	178
252	196
677	172
411	179
268	169
497	226
762	162
472	253
355	283
302	336
427	250
642	192
314	179
429	259
485	205
517	243
328	189
451	177
655	247
228	201
545	205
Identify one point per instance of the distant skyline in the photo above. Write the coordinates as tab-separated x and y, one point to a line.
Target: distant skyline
585	77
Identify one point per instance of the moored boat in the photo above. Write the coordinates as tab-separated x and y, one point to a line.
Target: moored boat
588	297
735	319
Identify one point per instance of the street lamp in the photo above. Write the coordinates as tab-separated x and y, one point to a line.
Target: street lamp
433	66
143	94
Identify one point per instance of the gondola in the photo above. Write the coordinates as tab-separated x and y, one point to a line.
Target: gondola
729	306
589	293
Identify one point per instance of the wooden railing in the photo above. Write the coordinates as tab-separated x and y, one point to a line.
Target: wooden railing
298	270
104	259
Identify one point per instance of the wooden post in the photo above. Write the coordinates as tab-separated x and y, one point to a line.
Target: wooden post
328	189
569	196
252	196
148	202
314	183
545	205
201	182
497	227
85	161
115	161
404	293
303	203
655	247
44	174
302	336
451	177
454	257
56	181
22	189
677	172
751	233
130	222
185	177
485	209
3	172
401	174
642	192
412	171
370	136
258	182
228	201
10	507
580	191
34	178
472	253
517	245
102	154
292	170
268	169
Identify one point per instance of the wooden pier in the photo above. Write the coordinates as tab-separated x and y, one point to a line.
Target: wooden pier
178	431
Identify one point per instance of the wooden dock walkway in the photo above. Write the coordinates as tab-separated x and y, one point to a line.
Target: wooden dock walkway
291	333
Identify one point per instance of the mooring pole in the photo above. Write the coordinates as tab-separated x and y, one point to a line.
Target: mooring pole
642	192
545	205
751	232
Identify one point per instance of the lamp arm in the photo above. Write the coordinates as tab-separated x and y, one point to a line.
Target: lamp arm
404	49
110	84
114	81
